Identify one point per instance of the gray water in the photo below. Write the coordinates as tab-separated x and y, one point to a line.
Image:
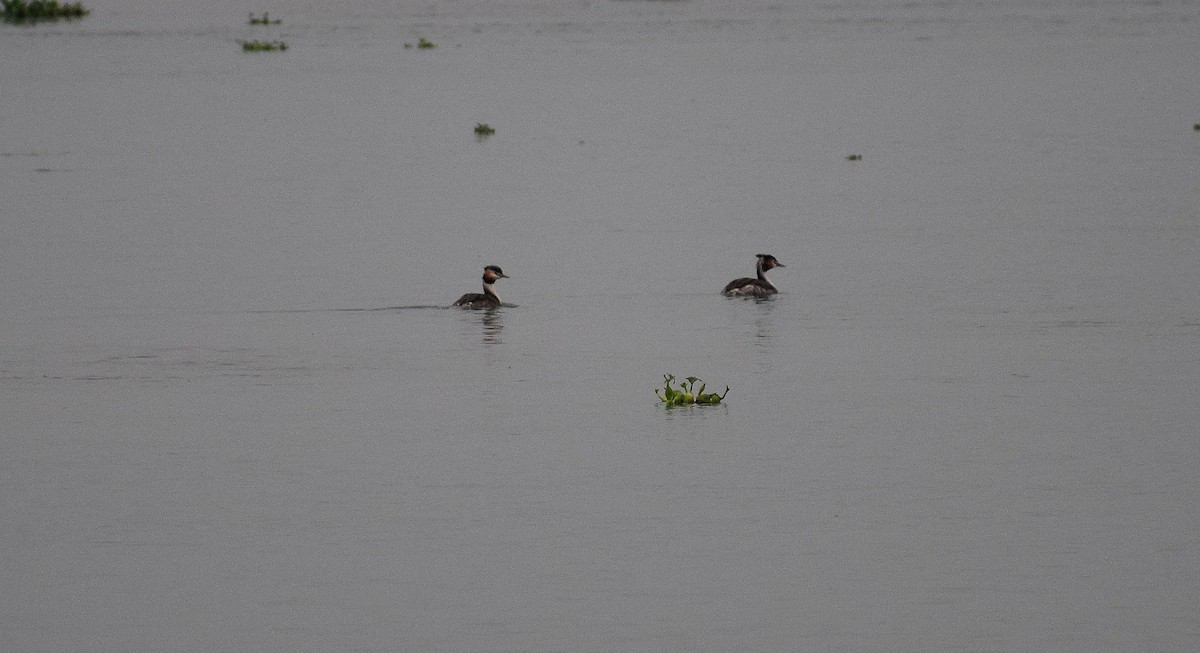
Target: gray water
235	414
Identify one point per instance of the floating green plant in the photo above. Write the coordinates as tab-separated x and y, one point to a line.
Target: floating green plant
423	43
687	394
32	11
1196	126
484	129
854	157
263	20
264	46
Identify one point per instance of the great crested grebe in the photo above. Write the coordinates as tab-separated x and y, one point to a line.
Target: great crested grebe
488	298
760	287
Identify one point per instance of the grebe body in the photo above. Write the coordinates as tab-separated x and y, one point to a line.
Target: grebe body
760	286
488	298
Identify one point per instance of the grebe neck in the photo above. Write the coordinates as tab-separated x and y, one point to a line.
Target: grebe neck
489	289
762	276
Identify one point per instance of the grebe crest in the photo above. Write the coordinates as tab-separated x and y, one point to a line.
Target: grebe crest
760	286
488	298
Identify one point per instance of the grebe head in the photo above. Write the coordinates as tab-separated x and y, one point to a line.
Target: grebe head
766	262
493	272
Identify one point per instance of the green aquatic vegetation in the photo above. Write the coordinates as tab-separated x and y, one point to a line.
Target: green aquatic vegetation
423	43
484	129
264	46
687	393
263	20
32	11
854	157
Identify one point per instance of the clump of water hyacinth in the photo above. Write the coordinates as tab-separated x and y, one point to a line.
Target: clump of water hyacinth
854	157
263	20
264	46
32	11
484	129
687	393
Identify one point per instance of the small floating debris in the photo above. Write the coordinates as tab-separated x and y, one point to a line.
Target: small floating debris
264	46
1196	126
32	11
687	394
854	157
423	44
263	20
483	129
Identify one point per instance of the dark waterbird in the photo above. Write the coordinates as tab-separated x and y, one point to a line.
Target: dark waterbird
488	298
756	287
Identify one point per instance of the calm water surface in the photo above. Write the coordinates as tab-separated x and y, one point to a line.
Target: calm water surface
236	416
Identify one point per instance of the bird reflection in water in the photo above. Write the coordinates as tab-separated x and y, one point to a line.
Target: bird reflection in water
764	326
493	324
